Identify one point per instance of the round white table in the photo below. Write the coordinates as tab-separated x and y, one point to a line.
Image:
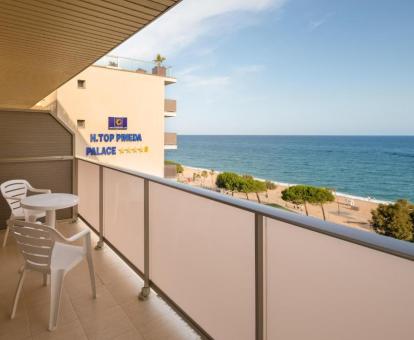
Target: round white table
49	203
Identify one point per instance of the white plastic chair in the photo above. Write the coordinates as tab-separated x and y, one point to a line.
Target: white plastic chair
14	191
47	251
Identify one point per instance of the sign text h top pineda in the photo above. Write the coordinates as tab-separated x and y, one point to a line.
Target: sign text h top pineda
112	137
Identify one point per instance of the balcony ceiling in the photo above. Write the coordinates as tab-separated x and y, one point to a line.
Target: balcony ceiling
44	43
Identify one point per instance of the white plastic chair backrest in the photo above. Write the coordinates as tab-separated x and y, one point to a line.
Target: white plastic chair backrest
36	242
15	188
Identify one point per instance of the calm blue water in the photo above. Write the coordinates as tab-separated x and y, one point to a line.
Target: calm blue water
380	167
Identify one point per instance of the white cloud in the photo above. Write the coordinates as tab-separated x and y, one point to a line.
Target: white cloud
211	81
192	78
196	76
314	24
248	69
186	22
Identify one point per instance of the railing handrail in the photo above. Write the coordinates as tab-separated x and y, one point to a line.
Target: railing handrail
135	59
364	238
147	63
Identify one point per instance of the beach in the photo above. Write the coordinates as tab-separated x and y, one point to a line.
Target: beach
348	210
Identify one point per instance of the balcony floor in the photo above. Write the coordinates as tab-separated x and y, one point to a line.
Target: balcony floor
115	314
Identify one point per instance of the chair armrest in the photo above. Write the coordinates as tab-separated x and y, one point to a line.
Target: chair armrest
78	236
40	191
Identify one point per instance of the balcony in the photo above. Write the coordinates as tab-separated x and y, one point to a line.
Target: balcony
268	271
138	66
232	269
170	141
218	262
170	108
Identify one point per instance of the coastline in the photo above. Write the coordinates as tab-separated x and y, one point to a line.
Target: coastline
358	167
337	193
349	210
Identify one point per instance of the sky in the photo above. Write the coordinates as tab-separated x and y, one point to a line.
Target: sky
286	67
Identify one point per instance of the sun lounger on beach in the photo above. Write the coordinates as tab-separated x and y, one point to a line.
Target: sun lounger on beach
351	204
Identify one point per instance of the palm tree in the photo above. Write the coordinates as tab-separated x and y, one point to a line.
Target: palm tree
204	175
212	172
196	176
159	59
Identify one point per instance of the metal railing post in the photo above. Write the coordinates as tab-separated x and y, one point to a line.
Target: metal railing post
75	187
145	291
259	270
100	243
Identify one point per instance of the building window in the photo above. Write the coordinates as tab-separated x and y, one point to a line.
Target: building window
81	123
81	84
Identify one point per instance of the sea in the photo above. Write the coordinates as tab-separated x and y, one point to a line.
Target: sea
374	167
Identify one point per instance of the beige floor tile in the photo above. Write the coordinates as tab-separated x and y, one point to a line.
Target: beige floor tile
85	306
130	335
125	289
70	331
18	328
15	330
9	283
106	256
154	319
39	315
112	272
77	282
34	290
108	324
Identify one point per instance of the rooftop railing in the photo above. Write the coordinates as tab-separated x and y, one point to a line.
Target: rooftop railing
135	65
236	269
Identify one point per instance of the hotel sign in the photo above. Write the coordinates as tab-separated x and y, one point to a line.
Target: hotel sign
117	123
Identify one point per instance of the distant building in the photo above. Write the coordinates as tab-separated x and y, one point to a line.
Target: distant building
117	110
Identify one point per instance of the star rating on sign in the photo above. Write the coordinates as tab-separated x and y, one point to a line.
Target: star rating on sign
133	150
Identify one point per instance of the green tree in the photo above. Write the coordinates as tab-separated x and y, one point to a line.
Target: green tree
212	172
159	59
270	185
319	196
395	220
259	186
303	194
196	176
297	194
246	184
204	175
229	181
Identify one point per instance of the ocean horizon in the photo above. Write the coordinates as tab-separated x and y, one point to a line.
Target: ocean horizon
379	167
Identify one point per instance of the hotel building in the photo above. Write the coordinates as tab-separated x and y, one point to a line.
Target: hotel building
204	265
118	90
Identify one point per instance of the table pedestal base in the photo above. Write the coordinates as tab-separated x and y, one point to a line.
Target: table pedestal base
51	218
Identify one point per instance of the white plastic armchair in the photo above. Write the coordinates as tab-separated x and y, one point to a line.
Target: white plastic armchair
47	251
13	192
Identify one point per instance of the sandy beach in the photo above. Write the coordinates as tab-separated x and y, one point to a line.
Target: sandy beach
348	210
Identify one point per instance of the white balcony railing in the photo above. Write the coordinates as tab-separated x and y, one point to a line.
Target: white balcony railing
239	270
135	65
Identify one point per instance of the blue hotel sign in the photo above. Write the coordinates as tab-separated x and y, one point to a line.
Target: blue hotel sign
117	123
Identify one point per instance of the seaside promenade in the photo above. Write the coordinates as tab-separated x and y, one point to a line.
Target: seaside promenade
347	210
